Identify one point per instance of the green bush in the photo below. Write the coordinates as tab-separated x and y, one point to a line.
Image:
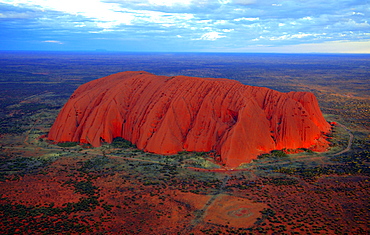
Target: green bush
120	142
278	153
273	153
67	144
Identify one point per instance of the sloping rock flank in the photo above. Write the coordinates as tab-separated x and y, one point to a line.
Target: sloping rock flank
166	115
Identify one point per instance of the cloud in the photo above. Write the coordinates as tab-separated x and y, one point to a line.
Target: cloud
53	41
211	36
12	12
299	35
352	24
327	47
170	3
201	23
244	2
247	19
16	15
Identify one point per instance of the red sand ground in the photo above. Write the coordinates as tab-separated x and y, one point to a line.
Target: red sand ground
233	211
333	203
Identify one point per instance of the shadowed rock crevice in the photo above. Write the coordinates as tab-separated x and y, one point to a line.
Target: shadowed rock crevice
166	115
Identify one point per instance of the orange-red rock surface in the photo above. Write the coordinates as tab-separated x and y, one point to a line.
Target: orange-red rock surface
166	115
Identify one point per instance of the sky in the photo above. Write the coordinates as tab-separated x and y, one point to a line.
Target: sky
266	26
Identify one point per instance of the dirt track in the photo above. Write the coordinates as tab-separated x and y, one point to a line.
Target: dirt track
350	141
201	213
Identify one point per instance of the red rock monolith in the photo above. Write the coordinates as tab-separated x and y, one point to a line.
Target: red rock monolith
166	115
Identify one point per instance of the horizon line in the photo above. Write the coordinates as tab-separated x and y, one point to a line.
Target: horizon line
189	52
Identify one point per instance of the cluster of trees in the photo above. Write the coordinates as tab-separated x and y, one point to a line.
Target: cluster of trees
17	165
280	181
67	144
273	154
120	142
20	219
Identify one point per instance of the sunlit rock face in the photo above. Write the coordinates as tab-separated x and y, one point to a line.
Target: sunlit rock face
166	115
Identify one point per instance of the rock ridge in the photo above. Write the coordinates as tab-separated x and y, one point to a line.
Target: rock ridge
165	115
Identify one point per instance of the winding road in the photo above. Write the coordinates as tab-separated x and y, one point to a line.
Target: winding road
350	141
